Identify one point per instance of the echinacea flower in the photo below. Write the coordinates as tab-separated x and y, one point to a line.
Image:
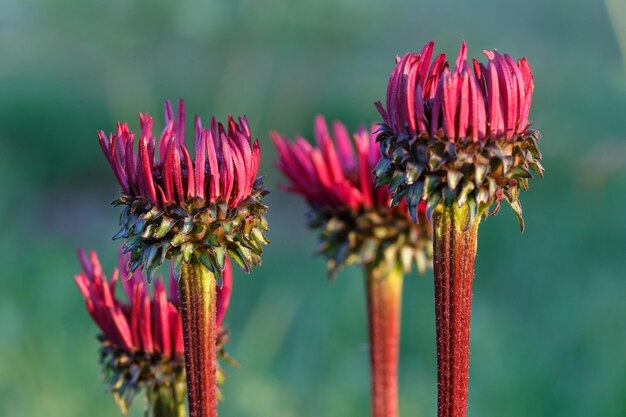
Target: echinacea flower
335	178
195	211
142	333
458	135
459	140
356	227
183	208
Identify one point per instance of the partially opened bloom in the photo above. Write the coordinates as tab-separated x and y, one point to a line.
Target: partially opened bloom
356	227
181	207
459	140
335	178
458	135
142	333
195	211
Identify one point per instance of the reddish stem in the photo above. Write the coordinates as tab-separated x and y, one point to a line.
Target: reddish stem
197	295
454	253
384	302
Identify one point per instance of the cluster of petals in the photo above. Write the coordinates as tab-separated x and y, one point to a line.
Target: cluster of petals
469	102
337	173
148	323
223	168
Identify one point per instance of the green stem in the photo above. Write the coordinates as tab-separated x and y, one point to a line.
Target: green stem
454	254
197	294
384	303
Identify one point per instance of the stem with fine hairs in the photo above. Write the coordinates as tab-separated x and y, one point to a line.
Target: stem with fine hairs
454	254
198	308
384	303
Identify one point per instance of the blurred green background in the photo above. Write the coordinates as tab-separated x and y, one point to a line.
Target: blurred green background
549	334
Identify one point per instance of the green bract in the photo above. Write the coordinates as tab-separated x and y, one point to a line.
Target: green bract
479	174
372	236
195	230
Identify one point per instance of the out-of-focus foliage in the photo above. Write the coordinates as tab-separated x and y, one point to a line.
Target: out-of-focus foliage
548	322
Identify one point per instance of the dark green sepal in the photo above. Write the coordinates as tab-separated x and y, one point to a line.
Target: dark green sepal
456	173
196	228
375	235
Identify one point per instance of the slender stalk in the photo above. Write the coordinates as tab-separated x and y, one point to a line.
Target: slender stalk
197	294
384	302
454	253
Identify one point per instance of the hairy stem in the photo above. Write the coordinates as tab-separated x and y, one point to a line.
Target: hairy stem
454	253
197	295
384	302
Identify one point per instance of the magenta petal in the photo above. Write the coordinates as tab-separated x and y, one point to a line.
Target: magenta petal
191	183
362	140
464	107
496	123
177	172
168	172
161	314
146	168
256	160
344	146
214	169
410	97
320	130
450	102
146	323
226	169
383	113
426	56
461	57
200	168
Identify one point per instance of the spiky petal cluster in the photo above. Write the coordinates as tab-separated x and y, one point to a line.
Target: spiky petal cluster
468	102
178	206
458	134
335	177
142	337
224	167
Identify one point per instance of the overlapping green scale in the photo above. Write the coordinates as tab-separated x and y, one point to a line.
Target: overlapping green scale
159	378
479	174
374	236
196	230
127	374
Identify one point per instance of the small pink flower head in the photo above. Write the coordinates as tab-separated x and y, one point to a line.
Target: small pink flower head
335	177
142	332
188	208
458	135
470	102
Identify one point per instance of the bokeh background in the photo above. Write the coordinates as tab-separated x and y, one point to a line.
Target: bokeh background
549	335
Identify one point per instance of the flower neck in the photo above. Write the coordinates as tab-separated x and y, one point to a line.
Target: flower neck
454	253
197	287
384	301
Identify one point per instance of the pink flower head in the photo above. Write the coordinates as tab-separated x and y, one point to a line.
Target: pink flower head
337	173
148	323
471	102
223	169
183	209
356	221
